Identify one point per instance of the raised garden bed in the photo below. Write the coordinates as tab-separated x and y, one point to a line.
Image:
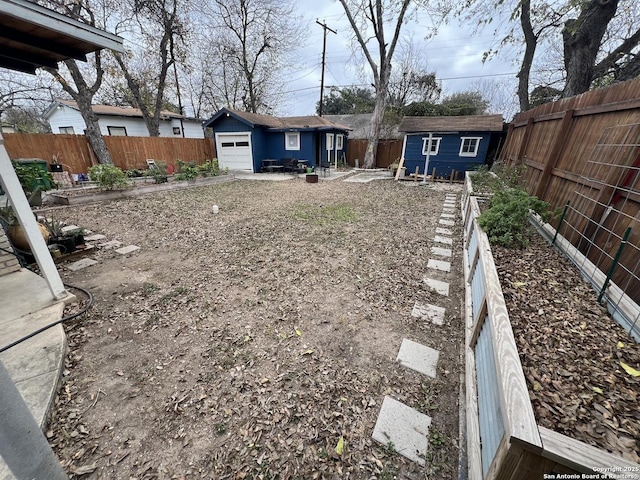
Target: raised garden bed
546	392
90	194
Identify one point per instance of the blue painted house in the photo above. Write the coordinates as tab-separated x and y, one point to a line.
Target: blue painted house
448	143
244	140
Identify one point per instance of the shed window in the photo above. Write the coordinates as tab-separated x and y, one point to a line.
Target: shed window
117	131
339	142
435	145
329	141
469	146
67	130
176	131
292	141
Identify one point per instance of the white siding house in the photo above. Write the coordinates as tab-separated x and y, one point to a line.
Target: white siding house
64	117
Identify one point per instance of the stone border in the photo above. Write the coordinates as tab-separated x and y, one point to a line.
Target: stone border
100	196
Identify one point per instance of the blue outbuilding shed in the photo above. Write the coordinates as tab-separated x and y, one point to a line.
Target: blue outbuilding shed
244	140
448	143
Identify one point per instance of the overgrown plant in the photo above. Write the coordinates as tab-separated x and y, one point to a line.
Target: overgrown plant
159	172
506	221
210	168
187	171
108	177
487	181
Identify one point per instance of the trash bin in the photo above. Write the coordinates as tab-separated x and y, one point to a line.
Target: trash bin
44	181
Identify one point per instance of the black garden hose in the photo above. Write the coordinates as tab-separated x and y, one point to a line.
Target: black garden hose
62	320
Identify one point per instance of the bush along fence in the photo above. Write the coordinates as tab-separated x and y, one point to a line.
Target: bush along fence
504	440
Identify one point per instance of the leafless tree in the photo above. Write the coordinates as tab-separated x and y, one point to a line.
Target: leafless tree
160	25
253	40
82	83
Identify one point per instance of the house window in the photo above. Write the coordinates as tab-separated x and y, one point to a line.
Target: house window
292	141
67	130
469	146
339	142
117	131
176	131
435	145
329	141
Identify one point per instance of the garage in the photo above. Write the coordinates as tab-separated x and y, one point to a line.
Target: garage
234	151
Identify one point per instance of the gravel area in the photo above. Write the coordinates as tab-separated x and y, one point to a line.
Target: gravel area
250	343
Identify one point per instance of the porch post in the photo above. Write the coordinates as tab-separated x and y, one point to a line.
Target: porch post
22	210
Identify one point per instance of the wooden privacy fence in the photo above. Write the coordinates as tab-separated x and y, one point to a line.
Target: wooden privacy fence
586	150
75	154
389	151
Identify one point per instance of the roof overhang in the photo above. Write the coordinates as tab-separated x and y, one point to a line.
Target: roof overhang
32	36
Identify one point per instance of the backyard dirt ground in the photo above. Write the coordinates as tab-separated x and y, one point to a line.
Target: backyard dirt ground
248	344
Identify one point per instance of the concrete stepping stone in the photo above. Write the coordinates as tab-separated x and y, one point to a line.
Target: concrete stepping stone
69	228
95	237
437	286
127	249
448	223
110	245
80	264
441	239
443	231
428	312
448	210
403	427
440	265
443	252
418	357
447	215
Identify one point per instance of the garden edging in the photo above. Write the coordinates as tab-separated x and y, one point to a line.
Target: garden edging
503	438
100	195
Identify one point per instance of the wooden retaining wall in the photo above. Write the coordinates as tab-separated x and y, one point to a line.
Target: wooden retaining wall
76	156
503	439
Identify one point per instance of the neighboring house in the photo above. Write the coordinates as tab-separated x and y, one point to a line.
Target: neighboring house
64	117
244	140
360	124
457	143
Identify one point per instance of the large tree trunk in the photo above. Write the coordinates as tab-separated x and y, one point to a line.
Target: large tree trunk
531	42
582	39
374	131
93	134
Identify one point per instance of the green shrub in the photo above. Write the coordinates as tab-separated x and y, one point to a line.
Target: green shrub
487	182
210	168
158	172
108	177
187	171
506	221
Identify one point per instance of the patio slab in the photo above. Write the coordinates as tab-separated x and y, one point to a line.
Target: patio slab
439	265
403	427
418	357
428	312
128	249
80	264
437	286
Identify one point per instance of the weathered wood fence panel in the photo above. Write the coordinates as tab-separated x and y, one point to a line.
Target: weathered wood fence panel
388	152
584	149
75	154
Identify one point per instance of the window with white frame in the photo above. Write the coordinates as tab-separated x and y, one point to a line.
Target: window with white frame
117	131
292	141
67	130
435	145
469	146
329	141
339	142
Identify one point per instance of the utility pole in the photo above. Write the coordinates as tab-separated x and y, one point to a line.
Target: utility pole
324	53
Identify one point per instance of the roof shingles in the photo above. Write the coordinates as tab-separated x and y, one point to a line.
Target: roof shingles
480	123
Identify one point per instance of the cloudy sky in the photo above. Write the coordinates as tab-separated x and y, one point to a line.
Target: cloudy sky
454	54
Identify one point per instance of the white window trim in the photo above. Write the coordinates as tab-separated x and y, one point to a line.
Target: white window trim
329	141
339	141
434	140
64	130
469	154
117	128
286	140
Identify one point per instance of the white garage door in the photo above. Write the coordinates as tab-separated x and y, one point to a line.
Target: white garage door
234	151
